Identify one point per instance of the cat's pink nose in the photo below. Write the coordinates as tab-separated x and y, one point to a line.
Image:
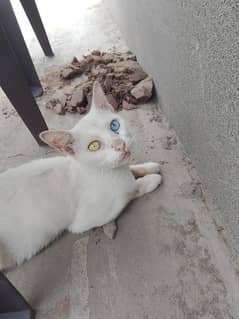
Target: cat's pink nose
118	145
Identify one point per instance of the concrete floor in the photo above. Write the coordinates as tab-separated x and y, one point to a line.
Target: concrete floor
170	260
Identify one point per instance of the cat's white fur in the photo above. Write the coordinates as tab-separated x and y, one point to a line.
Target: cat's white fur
77	192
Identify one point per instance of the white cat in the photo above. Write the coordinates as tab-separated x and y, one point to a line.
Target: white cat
87	188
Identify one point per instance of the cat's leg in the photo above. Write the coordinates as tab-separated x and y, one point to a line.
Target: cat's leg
140	170
147	184
80	225
110	229
144	185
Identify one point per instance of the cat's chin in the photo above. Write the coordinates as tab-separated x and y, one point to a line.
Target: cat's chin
123	161
120	163
126	156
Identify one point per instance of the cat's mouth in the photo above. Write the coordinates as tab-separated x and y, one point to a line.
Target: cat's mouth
125	155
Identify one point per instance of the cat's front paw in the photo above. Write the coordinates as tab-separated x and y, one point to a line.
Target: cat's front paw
141	170
148	184
153	167
152	182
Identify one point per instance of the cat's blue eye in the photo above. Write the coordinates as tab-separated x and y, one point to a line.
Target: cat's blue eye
114	126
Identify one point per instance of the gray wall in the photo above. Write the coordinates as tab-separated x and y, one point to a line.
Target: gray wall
191	49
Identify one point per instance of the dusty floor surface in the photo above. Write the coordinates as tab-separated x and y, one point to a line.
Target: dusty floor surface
169	260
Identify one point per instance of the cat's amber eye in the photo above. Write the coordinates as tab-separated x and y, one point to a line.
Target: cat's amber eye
94	146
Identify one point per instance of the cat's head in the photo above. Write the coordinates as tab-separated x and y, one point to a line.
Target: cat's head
99	139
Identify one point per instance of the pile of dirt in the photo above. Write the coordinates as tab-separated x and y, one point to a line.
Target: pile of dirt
124	81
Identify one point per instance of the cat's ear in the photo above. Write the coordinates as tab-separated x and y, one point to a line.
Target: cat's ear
59	140
99	99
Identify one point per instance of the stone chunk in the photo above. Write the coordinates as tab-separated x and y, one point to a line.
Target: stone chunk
57	103
78	98
143	90
59	109
128	106
69	73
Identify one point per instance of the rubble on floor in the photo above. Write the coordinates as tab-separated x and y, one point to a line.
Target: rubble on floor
124	81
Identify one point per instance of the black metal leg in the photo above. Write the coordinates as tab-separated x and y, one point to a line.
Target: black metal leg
12	304
15	86
37	25
9	22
